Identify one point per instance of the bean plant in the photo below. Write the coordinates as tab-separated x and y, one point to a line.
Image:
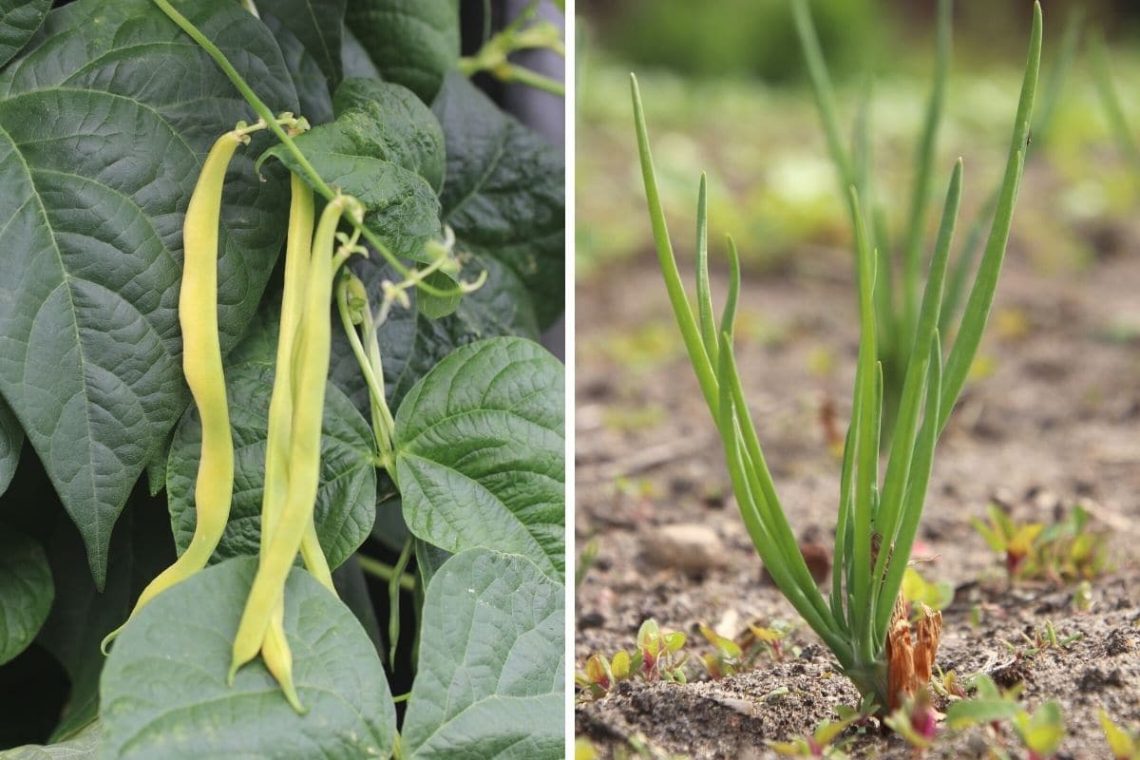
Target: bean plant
861	620
223	470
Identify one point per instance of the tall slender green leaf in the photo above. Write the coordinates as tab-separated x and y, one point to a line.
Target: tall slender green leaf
982	293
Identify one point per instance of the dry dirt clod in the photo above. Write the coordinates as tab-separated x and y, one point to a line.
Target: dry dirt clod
689	547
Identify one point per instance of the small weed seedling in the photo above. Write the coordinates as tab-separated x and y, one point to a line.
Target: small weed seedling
1063	552
1041	732
862	622
1004	536
1041	640
819	744
989	705
1124	745
657	657
727	657
731	656
936	595
916	721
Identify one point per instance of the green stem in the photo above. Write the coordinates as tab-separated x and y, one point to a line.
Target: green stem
510	72
395	583
383	424
386	572
307	170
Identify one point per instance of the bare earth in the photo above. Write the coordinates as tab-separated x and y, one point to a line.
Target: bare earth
1054	422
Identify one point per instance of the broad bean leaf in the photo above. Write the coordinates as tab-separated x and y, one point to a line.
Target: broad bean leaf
26	591
394	126
503	193
312	87
491	667
479	452
164	686
83	746
345	508
412	42
354	58
11	443
317	24
105	120
381	141
19	20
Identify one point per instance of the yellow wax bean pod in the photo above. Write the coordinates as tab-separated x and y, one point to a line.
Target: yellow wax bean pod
202	365
311	363
298	251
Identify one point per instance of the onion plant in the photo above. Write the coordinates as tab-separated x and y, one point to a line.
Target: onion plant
860	619
899	285
1110	101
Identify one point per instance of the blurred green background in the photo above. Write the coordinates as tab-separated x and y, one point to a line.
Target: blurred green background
725	92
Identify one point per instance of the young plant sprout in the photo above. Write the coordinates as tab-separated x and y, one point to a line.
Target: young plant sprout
878	517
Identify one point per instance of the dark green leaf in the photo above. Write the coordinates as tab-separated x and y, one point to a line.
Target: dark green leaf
503	193
92	214
354	57
385	148
317	24
438	307
400	206
19	20
479	452
397	126
412	42
345	507
311	85
11	443
26	592
491	669
85	746
164	686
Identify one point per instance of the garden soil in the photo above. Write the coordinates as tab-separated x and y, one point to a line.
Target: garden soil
1051	419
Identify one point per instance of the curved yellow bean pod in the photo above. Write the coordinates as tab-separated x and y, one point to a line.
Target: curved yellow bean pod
311	363
298	251
202	365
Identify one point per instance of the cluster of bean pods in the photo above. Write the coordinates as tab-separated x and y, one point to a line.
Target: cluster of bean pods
293	445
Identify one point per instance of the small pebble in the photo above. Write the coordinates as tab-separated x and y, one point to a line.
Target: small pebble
690	547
